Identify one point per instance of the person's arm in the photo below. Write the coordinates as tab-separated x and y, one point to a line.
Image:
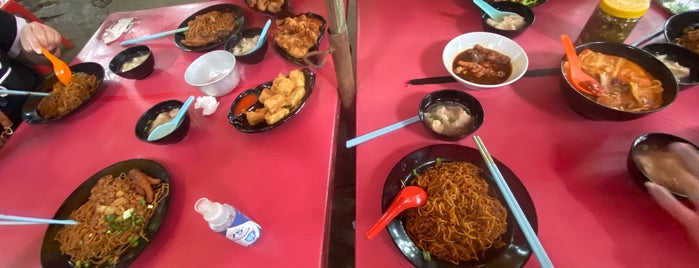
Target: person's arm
23	40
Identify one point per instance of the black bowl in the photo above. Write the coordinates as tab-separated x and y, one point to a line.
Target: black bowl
515	7
143	125
299	61
589	108
645	142
140	71
473	107
682	56
676	24
239	23
30	113
251	57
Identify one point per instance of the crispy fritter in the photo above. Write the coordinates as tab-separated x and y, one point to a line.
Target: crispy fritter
284	96
256	116
296	35
272	6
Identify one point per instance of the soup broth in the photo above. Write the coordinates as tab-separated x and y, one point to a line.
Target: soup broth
665	167
483	66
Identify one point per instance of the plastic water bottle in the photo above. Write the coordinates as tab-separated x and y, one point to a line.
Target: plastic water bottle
228	221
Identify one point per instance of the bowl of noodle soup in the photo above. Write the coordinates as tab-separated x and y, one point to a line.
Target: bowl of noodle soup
635	83
204	35
499	243
64	99
78	205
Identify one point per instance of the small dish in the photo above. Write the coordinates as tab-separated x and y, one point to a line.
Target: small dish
239	23
682	56
240	122
215	73
133	63
515	7
30	112
451	97
299	61
250	57
144	123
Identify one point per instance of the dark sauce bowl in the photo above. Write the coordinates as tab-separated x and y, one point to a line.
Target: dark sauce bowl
587	107
515	7
143	125
142	70
683	56
472	105
676	24
251	57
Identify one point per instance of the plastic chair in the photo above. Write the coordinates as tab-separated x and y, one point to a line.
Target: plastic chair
13	7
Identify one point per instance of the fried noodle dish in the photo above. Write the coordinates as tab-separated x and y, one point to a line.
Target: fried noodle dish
65	98
460	221
113	219
279	100
689	39
209	28
626	85
297	35
271	6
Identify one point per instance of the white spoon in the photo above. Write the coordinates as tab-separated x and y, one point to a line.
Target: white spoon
493	13
163	130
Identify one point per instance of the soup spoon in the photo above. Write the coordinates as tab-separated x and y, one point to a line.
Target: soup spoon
163	130
59	67
408	197
582	81
263	37
492	12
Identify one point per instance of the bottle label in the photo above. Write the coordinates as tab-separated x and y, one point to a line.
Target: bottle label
243	231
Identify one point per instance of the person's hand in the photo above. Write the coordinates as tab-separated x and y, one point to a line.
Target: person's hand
688	217
35	35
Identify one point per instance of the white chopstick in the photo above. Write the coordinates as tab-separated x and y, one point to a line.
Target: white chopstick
19	220
371	135
522	221
152	36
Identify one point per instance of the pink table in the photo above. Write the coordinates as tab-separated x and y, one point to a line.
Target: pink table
590	214
277	178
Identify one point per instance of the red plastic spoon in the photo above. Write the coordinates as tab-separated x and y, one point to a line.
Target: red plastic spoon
582	81
61	69
408	197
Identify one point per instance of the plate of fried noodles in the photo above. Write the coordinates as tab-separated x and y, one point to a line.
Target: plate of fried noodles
64	99
465	221
210	27
118	209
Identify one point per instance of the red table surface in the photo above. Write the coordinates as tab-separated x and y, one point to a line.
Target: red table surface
281	178
590	213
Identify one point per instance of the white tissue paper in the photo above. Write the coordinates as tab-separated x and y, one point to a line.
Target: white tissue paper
117	29
207	103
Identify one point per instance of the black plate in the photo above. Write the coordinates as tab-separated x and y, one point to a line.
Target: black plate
284	12
529	3
315	47
239	22
31	115
240	122
514	254
50	253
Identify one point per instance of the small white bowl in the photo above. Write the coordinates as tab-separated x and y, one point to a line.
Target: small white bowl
214	73
496	42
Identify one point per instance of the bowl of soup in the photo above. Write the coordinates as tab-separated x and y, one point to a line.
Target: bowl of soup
667	160
483	60
243	43
450	114
512	25
136	62
159	114
634	83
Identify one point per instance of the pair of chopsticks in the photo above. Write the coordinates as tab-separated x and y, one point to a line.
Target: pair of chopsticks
376	133
19	220
522	221
153	36
450	79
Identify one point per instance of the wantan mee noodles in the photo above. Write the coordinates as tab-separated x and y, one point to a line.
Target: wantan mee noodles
113	219
460	221
65	98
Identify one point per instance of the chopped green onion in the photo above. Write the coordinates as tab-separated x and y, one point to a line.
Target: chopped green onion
139	220
143	201
439	160
426	256
414	172
111	217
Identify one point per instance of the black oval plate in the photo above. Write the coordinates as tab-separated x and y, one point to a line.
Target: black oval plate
315	47
284	12
51	254
240	122
30	113
239	22
514	254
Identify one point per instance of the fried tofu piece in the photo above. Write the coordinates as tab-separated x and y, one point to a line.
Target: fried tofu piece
265	94
297	77
256	116
275	103
296	96
272	118
282	85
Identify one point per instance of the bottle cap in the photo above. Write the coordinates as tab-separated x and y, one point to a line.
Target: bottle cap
212	211
627	9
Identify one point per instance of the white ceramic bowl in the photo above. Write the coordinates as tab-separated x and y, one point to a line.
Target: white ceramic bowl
496	42
214	73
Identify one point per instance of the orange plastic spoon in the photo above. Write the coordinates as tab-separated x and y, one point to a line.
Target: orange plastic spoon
59	67
582	81
408	197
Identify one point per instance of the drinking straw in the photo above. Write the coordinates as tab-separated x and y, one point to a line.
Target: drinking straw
19	220
366	137
522	221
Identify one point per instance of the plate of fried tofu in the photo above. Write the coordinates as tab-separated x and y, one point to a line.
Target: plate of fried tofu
273	103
